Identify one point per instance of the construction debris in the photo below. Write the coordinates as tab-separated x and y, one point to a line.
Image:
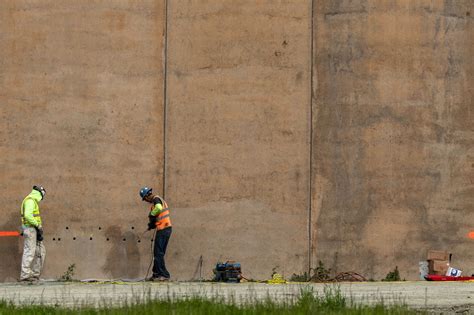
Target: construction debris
439	268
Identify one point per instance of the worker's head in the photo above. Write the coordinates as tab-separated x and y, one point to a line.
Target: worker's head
41	190
146	193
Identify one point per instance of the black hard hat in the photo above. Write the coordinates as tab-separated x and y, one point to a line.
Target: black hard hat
40	189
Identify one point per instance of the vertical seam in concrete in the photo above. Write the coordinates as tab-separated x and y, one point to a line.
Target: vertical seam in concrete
165	95
310	184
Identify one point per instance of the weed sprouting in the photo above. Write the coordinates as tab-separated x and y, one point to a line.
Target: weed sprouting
393	275
321	273
68	275
304	277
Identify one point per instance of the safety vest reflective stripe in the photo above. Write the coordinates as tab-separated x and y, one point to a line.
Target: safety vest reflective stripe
162	214
164	220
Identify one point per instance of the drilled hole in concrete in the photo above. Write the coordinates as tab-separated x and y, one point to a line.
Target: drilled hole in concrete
67	227
100	228
133	228
73	238
59	238
124	239
152	240
107	239
139	241
90	238
54	238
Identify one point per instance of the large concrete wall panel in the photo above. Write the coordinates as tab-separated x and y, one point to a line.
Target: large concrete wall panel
393	134
81	110
209	102
238	134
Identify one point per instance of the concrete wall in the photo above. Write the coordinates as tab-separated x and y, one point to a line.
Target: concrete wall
82	114
238	134
393	136
280	132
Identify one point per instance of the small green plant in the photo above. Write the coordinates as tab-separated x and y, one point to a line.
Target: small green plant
321	273
393	275
333	299
68	274
304	277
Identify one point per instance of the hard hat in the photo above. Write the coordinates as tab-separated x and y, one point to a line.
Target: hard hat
145	191
41	190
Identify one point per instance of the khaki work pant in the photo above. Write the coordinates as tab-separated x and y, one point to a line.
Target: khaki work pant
33	255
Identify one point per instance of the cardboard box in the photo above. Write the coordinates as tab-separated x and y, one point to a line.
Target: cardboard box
438	255
438	267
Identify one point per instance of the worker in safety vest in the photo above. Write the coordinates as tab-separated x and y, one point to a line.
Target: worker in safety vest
32	231
159	219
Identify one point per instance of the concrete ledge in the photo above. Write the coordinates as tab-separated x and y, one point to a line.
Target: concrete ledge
418	294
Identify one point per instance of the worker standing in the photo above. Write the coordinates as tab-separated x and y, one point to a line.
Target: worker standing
159	219
34	251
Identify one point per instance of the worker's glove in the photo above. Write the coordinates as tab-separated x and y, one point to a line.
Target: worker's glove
151	226
151	222
39	233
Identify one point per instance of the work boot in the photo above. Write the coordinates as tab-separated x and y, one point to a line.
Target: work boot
35	280
25	280
30	280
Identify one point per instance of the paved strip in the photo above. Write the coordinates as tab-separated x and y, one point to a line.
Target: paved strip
418	294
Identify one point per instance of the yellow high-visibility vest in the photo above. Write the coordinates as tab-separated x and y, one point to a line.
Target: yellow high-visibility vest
36	212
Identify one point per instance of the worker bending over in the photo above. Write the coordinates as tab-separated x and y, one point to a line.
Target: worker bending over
159	219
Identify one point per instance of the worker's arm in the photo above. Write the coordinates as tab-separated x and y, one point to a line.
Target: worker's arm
156	210
29	207
152	217
158	207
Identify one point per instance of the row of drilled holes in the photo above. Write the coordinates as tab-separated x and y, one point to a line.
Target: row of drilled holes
100	228
107	239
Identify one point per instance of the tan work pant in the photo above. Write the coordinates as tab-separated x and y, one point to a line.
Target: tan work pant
33	255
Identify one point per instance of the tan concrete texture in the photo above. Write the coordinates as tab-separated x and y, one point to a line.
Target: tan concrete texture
393	134
238	134
81	114
280	132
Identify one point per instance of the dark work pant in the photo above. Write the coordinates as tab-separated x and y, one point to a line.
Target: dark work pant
161	242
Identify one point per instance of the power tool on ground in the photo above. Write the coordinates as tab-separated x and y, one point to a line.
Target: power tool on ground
230	271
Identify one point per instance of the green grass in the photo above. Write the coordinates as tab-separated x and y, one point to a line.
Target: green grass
332	302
